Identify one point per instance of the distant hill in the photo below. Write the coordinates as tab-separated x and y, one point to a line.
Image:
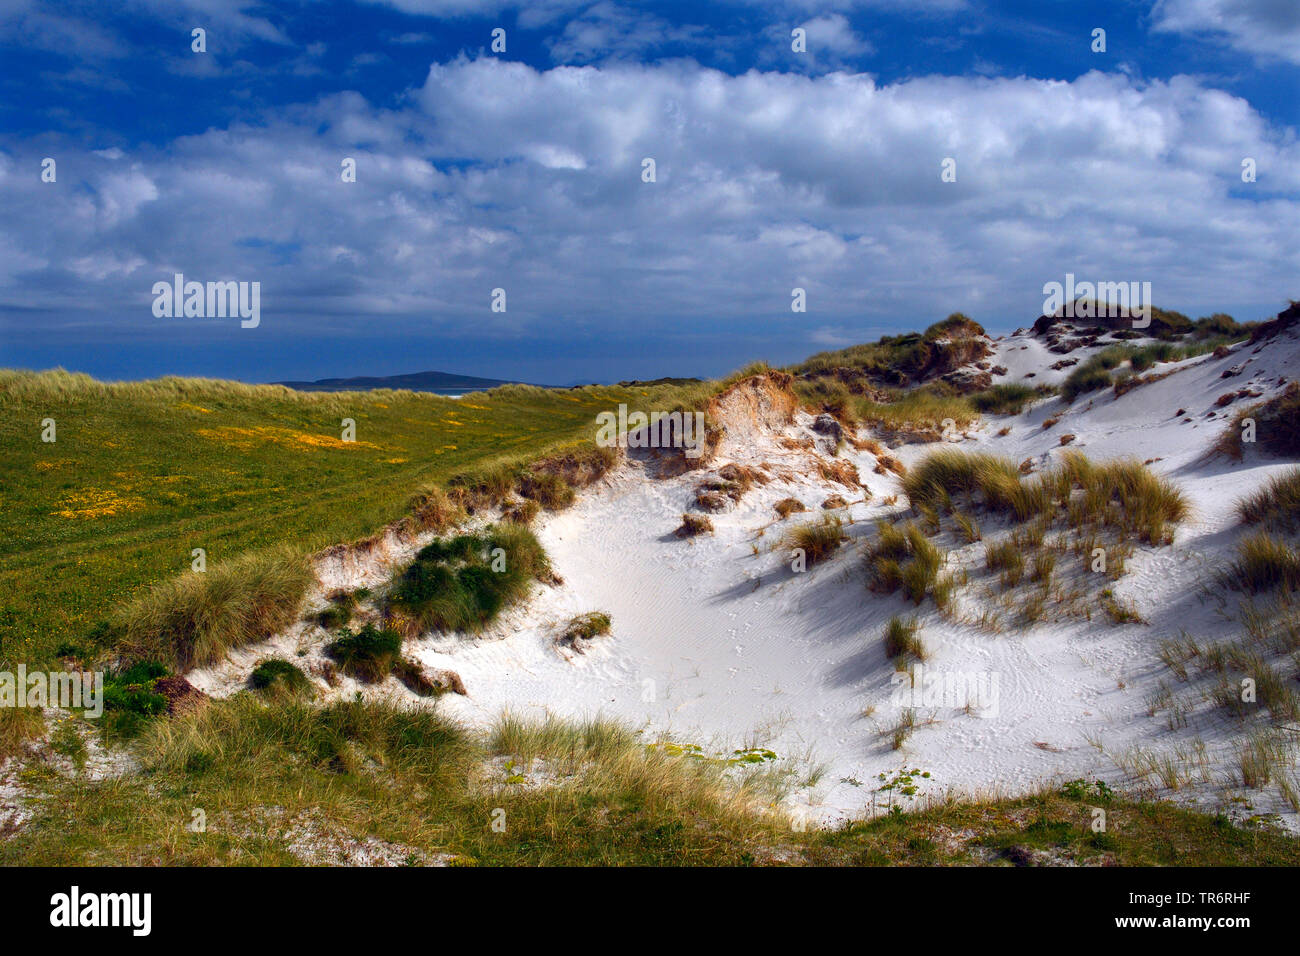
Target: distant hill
415	381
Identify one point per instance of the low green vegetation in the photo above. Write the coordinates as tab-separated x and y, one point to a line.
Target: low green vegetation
277	674
1096	372
131	699
463	582
1007	399
367	654
585	627
920	413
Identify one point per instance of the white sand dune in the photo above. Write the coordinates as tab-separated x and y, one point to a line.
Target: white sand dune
718	642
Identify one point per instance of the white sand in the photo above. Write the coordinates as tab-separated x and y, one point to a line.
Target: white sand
716	641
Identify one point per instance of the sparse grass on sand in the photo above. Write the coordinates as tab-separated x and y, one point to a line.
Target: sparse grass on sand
693	525
1095	373
1276	505
818	540
1007	399
1124	496
1264	563
585	627
902	642
903	557
1276	426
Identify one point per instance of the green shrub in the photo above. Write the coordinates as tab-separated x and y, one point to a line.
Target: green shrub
585	627
130	700
462	583
368	654
277	673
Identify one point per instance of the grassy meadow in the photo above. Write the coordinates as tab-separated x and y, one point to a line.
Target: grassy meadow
142	473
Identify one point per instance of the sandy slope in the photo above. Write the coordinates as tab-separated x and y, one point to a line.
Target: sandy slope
716	640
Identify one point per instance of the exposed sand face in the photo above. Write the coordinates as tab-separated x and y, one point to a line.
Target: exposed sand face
717	641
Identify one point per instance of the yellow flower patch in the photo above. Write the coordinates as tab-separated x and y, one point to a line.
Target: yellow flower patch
246	438
94	503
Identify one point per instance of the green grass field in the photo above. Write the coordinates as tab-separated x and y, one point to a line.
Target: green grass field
142	473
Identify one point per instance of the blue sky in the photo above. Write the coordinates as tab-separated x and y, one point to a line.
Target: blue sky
522	170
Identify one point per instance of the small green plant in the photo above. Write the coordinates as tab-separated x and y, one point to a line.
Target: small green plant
368	654
276	673
584	627
1081	789
68	742
904	784
130	700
